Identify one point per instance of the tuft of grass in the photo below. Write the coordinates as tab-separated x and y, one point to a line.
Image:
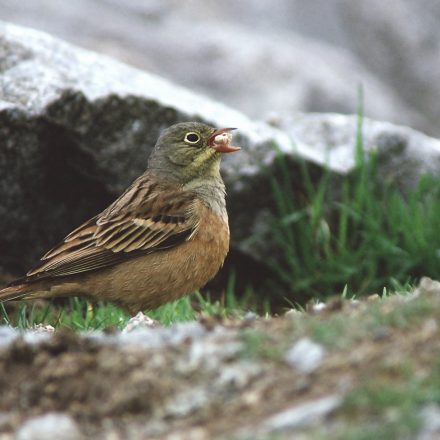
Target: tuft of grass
342	330
402	317
358	234
384	409
180	310
257	345
77	314
80	314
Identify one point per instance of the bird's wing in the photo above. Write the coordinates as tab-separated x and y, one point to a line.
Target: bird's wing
145	219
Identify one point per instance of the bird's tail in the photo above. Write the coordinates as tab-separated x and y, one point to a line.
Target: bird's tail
20	291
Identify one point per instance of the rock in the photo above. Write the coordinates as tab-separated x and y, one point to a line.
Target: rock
238	376
280	45
187	402
427	286
227	55
140	321
208	353
231	379
403	153
430	417
36	337
50	426
305	355
319	307
301	416
7	335
153	337
43	328
401	46
250	316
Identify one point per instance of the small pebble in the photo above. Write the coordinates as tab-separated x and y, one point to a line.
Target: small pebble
7	335
51	426
293	312
250	316
140	321
430	417
42	328
318	307
301	416
305	355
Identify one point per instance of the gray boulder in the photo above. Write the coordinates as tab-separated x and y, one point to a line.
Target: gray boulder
399	41
403	154
260	57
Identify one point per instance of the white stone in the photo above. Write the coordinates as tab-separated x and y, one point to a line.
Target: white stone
140	321
7	335
301	416
430	416
305	355
51	426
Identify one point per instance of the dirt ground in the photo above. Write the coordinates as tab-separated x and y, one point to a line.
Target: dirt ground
297	376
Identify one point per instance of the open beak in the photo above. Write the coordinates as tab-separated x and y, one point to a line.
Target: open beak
220	140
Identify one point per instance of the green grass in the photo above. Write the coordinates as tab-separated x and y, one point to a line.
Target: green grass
77	314
358	233
395	412
80	314
384	408
342	330
258	345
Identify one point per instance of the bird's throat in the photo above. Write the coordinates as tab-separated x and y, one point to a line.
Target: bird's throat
212	192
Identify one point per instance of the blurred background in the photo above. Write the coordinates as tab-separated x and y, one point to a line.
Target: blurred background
268	59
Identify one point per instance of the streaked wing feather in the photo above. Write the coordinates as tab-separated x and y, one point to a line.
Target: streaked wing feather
83	235
93	259
165	219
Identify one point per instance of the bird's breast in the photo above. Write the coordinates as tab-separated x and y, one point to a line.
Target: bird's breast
151	280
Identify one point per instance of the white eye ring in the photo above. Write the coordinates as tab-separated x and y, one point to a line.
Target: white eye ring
192	138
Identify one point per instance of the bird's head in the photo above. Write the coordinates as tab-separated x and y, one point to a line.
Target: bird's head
190	150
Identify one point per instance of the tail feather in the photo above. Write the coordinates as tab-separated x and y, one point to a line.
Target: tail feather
15	292
41	289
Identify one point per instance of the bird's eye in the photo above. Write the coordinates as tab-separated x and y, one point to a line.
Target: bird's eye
192	138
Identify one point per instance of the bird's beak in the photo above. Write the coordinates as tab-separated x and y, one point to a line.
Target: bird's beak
220	140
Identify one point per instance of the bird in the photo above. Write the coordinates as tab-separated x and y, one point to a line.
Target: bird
164	237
